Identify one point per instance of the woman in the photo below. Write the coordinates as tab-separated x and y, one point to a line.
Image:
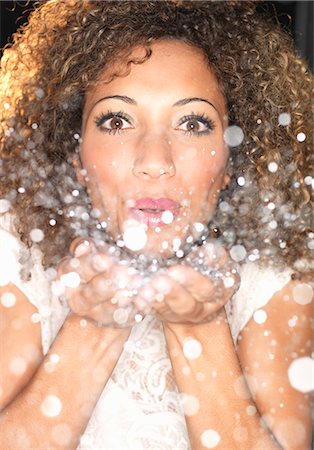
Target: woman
127	127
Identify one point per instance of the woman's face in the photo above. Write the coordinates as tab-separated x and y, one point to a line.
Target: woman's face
153	148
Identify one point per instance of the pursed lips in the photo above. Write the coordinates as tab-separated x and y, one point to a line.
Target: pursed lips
151	211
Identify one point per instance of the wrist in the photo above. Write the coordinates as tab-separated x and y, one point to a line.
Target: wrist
85	327
183	330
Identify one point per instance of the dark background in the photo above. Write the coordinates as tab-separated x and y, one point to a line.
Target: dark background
297	16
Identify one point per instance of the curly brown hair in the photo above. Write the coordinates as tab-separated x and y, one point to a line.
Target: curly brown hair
58	56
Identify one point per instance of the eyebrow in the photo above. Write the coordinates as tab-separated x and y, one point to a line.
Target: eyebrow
131	101
124	98
185	101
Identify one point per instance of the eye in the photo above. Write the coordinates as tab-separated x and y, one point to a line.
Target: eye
196	124
113	122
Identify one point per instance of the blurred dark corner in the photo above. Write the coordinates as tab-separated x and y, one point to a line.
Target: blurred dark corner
297	16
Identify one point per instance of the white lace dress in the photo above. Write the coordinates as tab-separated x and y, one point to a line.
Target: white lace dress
139	408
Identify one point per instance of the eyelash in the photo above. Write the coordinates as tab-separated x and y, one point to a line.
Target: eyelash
203	118
103	117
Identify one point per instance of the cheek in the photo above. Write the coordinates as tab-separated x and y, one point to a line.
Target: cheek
104	165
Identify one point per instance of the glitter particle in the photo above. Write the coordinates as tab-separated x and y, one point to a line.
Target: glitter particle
120	316
192	348
260	316
71	279
241	181
300	374
273	167
190	404
233	136
210	438
167	217
302	293
37	235
51	406
238	253
134	236
8	299
301	137
284	119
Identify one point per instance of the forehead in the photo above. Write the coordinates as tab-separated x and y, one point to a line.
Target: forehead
174	67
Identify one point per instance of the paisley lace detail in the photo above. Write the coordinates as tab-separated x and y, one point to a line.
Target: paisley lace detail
140	407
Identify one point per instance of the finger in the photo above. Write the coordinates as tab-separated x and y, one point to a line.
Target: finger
86	266
80	246
175	297
199	286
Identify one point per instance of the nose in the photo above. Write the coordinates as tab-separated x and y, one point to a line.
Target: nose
154	159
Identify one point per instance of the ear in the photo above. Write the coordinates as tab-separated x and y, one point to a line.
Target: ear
78	167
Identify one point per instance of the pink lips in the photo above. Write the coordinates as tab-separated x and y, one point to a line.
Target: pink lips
150	210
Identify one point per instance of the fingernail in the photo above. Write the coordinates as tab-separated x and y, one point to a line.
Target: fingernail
82	249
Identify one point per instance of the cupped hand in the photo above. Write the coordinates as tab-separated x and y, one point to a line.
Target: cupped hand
183	295
97	288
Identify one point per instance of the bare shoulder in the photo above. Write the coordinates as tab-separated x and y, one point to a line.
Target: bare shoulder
20	343
272	352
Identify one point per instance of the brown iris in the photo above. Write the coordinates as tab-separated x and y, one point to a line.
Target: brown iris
116	123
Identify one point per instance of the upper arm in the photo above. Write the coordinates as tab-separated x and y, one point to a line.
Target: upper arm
266	352
20	344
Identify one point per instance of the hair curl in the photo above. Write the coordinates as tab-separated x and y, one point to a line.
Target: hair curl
58	56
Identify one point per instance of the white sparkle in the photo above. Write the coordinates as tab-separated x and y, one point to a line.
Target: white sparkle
301	137
138	318
233	136
120	316
260	316
134	236
302	293
273	224
190	404
273	167
37	235
238	253
51	406
210	438
167	217
284	119
35	318
241	181
192	348
199	227
8	299
308	180
71	279
301	374
251	410
176	244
